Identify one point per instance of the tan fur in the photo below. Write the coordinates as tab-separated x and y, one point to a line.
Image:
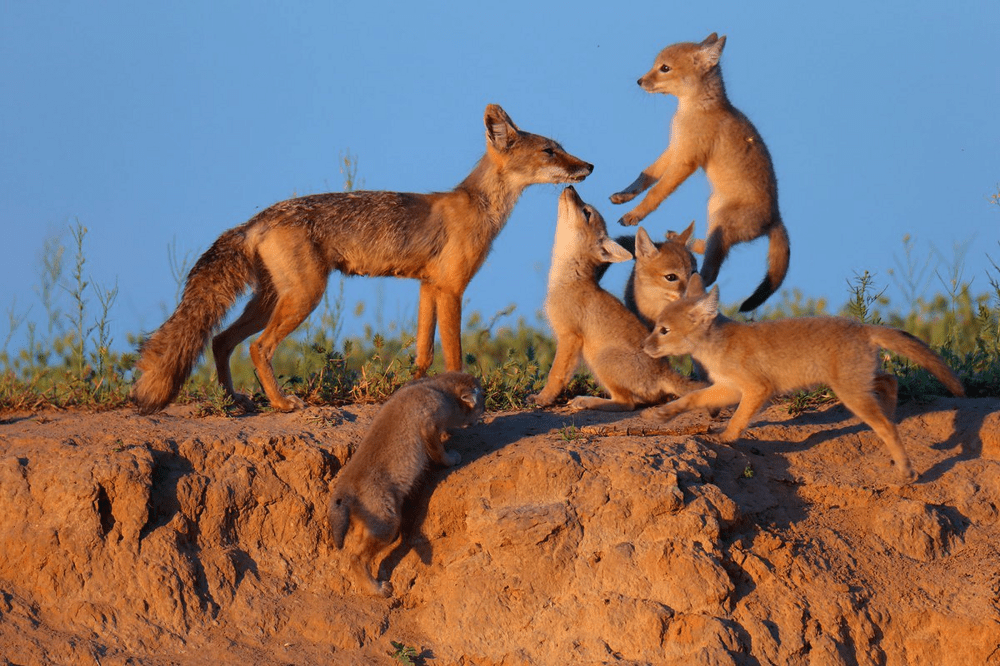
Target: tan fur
286	252
660	275
749	363
588	320
708	132
408	433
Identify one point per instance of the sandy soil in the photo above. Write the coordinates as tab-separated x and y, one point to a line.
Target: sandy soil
561	538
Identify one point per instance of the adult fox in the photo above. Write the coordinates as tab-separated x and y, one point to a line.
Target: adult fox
709	132
286	252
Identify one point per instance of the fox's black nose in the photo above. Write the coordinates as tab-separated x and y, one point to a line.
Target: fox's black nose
639	81
590	167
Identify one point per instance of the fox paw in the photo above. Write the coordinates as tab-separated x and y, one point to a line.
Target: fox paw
244	402
630	219
622	197
539	400
288	403
452	458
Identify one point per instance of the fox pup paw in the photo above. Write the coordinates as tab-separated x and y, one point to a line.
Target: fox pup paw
660	414
622	197
452	458
630	219
288	403
539	400
244	402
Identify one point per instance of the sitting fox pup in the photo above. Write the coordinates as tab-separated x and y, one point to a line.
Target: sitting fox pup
749	363
588	320
408	432
660	274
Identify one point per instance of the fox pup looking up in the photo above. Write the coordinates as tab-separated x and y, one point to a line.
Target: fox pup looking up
286	252
407	434
588	320
749	363
708	132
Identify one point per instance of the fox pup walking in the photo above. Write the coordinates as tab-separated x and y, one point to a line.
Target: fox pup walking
588	320
748	363
708	132
286	252
408	432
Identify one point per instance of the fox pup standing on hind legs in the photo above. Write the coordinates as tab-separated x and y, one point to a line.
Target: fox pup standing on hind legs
286	252
708	132
588	320
748	363
408	432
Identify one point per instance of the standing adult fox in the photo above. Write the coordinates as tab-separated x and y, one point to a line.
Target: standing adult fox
709	132
286	252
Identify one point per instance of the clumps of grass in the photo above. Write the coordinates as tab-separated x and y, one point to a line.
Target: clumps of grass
72	362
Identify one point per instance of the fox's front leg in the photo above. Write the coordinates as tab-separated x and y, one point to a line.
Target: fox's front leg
567	356
714	397
426	321
669	171
638	186
449	314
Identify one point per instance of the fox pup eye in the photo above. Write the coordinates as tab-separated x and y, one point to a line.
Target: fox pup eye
664	330
549	152
586	213
664	68
670	277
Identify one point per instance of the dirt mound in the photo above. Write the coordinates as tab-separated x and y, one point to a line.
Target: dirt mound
561	538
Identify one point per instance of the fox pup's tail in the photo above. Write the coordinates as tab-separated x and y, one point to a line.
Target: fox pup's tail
213	285
340	517
778	254
904	344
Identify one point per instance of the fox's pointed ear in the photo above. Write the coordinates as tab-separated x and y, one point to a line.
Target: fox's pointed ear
644	246
682	237
711	39
695	288
501	132
471	397
708	305
712	51
612	252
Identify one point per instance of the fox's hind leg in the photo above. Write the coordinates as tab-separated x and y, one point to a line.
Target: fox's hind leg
869	409
887	390
254	318
299	282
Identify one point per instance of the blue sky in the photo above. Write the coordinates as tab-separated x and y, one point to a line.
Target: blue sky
160	123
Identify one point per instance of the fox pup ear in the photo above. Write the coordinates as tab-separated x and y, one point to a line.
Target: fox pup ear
712	51
501	131
695	288
472	397
711	39
612	252
682	237
707	306
644	246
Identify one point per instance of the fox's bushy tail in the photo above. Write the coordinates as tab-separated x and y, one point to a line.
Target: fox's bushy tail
904	344
213	285
778	254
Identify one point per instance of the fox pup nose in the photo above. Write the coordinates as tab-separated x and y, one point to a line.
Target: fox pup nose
639	81
589	167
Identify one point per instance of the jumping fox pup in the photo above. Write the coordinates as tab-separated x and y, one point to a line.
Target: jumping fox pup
408	432
748	363
286	252
708	132
586	319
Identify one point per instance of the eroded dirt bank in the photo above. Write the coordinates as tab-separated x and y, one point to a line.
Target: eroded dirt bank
559	539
